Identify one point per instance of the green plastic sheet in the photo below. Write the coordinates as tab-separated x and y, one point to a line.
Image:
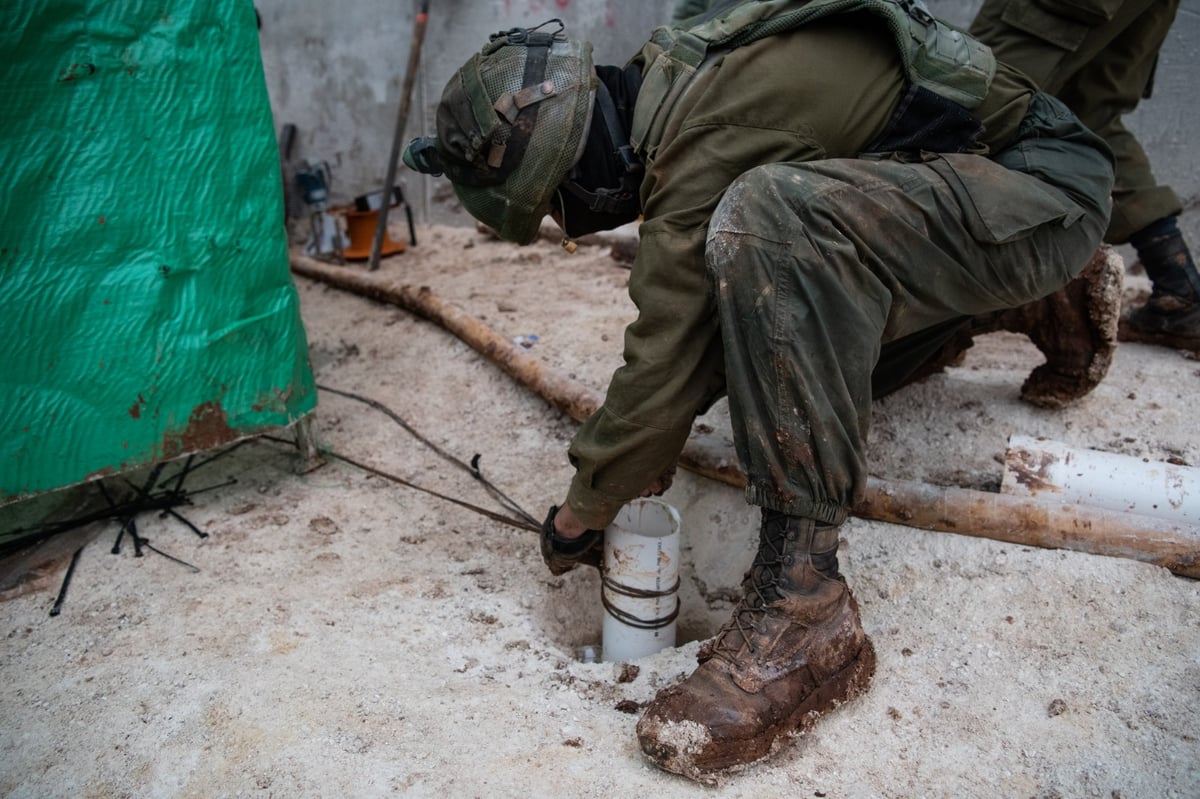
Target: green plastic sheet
145	295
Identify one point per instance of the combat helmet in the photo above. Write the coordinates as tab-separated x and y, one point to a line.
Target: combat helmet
510	125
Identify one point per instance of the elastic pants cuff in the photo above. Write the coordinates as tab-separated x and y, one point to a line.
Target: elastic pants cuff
824	512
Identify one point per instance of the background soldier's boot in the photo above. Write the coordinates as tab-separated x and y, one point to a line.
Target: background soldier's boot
1171	316
794	649
1075	328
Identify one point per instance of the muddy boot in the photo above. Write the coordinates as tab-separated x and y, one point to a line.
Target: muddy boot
1075	328
794	649
1171	317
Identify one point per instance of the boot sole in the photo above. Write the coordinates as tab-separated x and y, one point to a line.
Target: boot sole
849	683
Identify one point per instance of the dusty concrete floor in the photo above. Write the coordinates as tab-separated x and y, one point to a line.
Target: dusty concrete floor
348	636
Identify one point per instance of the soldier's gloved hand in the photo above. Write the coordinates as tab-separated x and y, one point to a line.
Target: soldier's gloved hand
563	554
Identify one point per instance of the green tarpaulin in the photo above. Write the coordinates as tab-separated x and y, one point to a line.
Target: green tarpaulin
145	295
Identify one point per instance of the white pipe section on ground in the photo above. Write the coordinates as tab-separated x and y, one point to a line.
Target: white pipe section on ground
1052	470
640	580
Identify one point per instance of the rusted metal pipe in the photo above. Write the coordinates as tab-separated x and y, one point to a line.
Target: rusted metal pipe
1024	521
1034	522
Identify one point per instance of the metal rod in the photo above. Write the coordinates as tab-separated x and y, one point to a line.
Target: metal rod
414	59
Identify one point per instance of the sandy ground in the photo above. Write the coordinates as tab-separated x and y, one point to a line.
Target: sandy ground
347	636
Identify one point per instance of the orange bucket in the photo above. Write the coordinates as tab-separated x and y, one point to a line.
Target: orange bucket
360	227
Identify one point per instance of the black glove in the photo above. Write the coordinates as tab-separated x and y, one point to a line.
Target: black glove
563	554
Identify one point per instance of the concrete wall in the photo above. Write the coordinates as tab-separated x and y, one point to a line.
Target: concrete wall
335	70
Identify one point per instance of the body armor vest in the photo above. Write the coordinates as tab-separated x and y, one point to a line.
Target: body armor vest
935	56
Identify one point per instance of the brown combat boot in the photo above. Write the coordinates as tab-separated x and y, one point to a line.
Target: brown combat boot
1169	320
1171	316
794	649
1075	328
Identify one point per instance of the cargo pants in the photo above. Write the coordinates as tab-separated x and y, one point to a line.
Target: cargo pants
1098	57
827	271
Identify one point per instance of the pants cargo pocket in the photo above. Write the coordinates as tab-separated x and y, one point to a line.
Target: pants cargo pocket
994	216
1063	23
1093	12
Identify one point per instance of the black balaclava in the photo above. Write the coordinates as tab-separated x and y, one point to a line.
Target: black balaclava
601	191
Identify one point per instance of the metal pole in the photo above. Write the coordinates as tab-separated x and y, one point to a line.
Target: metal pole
414	60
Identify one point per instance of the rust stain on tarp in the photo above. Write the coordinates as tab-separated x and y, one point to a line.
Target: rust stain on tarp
135	410
207	427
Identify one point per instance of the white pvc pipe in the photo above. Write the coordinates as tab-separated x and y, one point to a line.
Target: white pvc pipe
1052	470
641	580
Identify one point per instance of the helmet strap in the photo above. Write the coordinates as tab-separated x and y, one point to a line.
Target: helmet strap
612	199
507	154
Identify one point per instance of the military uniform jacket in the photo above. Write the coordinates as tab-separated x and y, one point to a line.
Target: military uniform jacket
822	91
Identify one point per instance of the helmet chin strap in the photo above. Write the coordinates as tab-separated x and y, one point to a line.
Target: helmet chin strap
613	200
567	243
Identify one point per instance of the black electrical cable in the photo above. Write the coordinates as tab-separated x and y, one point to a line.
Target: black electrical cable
472	468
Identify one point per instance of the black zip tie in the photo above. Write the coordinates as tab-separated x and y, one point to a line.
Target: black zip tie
183	473
131	525
193	469
146	501
146	543
472	468
144	493
190	526
130	522
155	473
507	502
191	492
115	511
62	591
116	547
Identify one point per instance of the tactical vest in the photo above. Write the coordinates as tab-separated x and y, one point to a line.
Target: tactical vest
935	57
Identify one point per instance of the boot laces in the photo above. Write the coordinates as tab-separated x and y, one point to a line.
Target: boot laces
760	588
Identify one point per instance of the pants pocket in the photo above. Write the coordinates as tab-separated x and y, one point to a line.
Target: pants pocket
1062	24
1090	12
1001	205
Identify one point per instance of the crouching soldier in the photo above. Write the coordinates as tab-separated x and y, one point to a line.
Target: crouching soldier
830	191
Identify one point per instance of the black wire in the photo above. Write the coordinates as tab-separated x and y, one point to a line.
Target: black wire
472	468
520	524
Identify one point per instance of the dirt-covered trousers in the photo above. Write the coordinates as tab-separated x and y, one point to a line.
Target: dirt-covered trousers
819	265
1098	57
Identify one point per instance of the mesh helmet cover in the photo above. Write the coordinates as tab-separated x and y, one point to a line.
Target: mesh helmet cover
481	107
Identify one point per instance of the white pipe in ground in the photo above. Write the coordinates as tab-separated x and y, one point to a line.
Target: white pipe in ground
1052	470
641	580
